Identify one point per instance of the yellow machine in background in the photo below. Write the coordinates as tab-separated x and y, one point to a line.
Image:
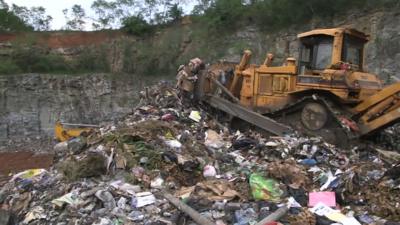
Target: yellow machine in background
326	91
66	131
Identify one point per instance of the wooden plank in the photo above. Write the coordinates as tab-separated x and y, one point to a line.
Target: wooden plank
197	217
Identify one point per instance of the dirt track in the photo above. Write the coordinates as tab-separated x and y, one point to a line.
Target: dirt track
19	161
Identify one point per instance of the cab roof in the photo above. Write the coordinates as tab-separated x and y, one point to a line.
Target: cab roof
335	32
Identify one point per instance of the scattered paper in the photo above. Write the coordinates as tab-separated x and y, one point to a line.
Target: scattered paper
335	215
195	116
125	187
185	192
69	198
34	214
328	198
27	174
143	199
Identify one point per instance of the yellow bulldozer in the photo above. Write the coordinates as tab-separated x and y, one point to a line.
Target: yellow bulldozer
67	131
325	92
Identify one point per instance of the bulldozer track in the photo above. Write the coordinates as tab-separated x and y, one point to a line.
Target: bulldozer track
336	114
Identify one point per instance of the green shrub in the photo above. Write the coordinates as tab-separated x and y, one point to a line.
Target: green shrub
7	66
37	60
136	25
223	14
92	60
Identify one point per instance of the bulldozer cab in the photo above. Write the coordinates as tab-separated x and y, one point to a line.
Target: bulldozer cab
339	48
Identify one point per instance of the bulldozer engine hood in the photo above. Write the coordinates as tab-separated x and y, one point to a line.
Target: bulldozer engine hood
361	80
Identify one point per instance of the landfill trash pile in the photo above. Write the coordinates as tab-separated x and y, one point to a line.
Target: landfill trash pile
170	163
388	139
37	144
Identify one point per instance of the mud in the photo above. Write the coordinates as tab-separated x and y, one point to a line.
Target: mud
13	162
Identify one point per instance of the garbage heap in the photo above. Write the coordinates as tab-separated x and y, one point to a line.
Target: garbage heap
138	170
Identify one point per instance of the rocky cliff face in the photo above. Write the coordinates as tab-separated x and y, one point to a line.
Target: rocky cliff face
382	51
30	104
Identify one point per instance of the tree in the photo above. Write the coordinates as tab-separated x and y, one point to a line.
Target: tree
104	11
224	14
136	25
39	20
202	6
3	5
149	9
75	18
9	21
110	14
35	16
175	12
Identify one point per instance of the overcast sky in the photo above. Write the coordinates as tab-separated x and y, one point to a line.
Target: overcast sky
54	8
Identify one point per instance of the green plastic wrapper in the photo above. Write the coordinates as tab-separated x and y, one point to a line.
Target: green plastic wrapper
264	189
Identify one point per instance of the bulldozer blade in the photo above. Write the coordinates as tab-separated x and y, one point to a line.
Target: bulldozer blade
249	116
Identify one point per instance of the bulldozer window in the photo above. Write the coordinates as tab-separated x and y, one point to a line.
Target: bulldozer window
315	53
352	51
324	55
306	54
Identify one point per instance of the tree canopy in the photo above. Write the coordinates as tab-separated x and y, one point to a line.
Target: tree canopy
215	14
9	21
75	18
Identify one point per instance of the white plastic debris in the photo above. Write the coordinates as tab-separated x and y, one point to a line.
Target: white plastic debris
271	144
125	187
143	199
209	171
173	143
292	203
314	169
122	203
157	182
329	180
213	139
104	221
314	149
136	216
100	148
61	147
107	198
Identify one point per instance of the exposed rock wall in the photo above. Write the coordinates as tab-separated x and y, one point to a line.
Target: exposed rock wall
382	51
31	103
174	45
